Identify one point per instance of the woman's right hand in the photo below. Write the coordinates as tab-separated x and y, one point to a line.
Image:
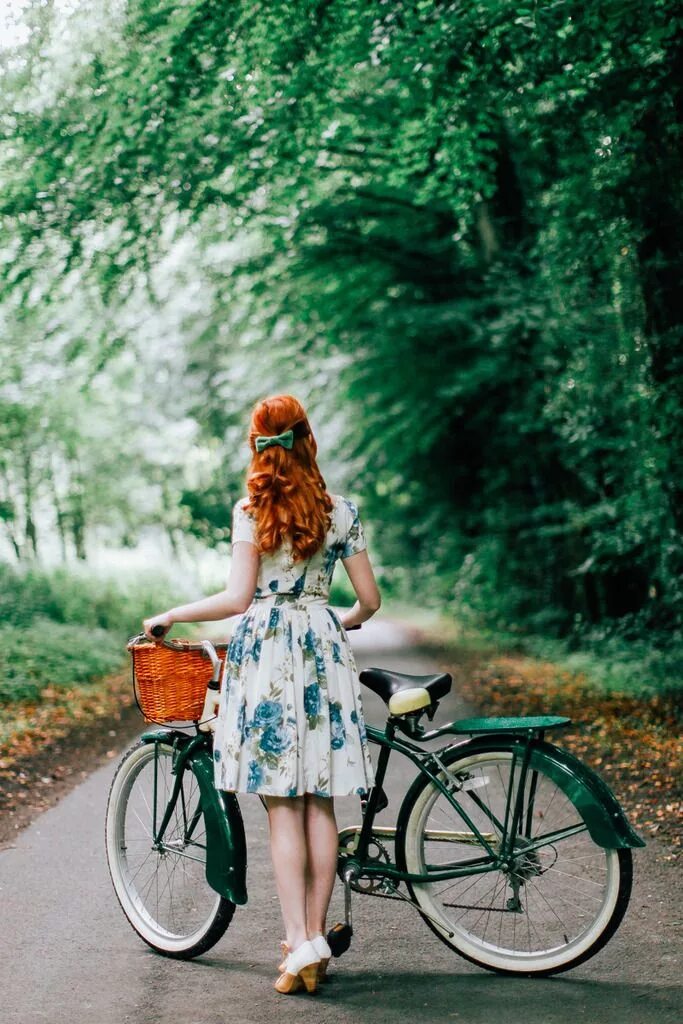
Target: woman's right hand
165	620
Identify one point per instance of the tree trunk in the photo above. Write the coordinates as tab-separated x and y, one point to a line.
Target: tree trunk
60	514
30	531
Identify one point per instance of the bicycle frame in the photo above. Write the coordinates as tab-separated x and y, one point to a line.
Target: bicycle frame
226	840
605	819
422	759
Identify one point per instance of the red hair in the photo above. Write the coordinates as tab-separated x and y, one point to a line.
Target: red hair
287	492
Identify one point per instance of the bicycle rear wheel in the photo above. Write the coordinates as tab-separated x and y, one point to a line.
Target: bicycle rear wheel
553	909
162	887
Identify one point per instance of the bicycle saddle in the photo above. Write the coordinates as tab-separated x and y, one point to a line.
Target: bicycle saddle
404	693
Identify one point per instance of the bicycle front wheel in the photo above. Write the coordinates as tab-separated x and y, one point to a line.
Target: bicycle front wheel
162	886
554	906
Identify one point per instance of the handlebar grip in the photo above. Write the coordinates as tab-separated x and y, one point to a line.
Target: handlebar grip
157	630
354	627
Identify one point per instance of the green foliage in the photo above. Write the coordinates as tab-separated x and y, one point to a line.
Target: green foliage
65	627
603	661
609	662
79	597
457	222
54	654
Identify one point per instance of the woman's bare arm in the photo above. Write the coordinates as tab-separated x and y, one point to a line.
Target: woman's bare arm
363	580
233	600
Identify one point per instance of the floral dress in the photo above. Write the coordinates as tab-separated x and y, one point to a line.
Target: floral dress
290	718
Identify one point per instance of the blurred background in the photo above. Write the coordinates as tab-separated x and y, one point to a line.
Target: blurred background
453	231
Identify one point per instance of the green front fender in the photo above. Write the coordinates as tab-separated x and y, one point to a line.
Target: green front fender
604	817
226	844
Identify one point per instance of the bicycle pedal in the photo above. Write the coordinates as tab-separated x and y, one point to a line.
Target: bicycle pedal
382	801
339	938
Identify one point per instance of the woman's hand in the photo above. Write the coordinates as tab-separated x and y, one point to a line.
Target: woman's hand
165	620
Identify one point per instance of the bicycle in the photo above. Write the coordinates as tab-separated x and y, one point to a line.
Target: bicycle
515	853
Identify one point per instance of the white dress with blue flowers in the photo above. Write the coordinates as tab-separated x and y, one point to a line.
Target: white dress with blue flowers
290	718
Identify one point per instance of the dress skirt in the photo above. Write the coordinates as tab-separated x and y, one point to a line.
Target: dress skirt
290	718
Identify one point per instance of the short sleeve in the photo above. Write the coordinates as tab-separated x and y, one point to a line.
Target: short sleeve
355	535
243	526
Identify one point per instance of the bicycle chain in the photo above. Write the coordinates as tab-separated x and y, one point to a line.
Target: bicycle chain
376	885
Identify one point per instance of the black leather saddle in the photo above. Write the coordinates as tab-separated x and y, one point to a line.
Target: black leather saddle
385	683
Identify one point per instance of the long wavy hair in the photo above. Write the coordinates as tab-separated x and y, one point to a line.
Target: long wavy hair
287	492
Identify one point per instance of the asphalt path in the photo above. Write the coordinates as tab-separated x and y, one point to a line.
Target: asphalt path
70	956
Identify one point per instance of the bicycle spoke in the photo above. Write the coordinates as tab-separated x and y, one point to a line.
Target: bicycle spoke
549	905
556	881
168	886
149	855
578	878
143	825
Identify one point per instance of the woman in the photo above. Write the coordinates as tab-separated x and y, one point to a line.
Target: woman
290	719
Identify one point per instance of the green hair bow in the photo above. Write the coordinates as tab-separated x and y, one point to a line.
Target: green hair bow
286	439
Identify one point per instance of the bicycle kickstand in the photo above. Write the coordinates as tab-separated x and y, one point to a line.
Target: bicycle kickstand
339	936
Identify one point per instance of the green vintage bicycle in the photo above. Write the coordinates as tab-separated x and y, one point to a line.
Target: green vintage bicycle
514	852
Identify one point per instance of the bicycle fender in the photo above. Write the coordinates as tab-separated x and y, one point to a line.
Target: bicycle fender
226	844
604	816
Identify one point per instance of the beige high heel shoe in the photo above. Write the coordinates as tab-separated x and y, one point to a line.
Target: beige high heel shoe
285	950
300	969
322	949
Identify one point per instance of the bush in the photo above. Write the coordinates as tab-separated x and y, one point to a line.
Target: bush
77	595
68	627
53	654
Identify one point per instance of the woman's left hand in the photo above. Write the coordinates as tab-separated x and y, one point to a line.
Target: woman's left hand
165	620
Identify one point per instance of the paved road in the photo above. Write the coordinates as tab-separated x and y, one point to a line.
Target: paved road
70	957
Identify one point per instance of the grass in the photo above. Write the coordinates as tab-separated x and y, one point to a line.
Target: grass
63	636
53	654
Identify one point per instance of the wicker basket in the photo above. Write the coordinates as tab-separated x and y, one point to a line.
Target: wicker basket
170	677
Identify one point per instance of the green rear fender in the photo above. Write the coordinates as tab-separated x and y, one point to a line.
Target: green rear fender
226	844
590	794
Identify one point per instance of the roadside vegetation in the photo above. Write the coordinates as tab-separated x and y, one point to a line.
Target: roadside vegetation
450	230
63	633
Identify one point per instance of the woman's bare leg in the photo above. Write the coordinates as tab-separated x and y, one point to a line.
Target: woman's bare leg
322	841
289	854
